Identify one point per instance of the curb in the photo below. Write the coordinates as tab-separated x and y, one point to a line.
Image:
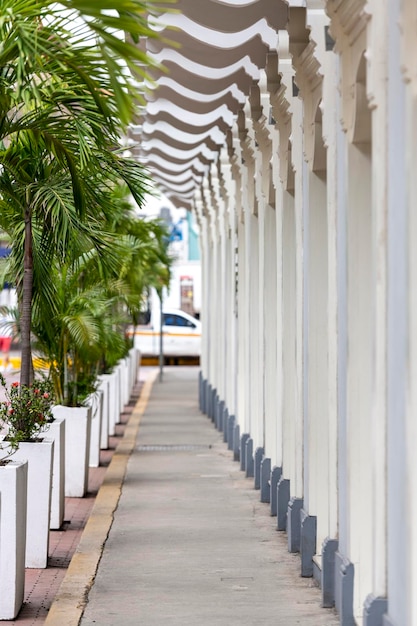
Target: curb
69	603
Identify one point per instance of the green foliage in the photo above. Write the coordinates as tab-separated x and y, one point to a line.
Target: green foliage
89	299
80	261
26	412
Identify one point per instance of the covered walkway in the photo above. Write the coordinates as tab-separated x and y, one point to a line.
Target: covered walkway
190	543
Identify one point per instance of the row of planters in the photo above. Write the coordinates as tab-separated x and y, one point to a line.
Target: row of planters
80	258
40	473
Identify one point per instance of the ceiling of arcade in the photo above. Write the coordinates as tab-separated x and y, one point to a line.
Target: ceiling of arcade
216	51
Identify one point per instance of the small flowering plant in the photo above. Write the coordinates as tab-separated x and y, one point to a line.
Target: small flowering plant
26	412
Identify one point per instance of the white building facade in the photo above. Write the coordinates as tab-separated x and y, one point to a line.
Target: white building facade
289	128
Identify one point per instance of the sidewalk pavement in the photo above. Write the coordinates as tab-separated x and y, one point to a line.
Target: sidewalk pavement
186	540
42	585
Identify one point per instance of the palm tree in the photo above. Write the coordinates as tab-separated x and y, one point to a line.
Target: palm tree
149	263
64	99
81	327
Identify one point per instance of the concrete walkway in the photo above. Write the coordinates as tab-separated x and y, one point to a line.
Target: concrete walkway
191	544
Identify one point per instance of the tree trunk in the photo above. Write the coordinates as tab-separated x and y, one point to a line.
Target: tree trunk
26	372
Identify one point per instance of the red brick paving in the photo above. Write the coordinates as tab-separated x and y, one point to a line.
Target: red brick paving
41	585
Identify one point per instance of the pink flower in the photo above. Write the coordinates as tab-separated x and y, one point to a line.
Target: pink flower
46	395
15	384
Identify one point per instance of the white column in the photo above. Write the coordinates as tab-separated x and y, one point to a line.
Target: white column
404	599
377	95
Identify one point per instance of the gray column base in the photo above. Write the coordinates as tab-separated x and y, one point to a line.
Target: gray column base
283	497
294	524
213	404
206	396
250	464
200	392
344	573
275	478
209	400
219	414
243	441
258	456
236	442
266	480
328	553
307	543
374	609
230	429
387	621
225	423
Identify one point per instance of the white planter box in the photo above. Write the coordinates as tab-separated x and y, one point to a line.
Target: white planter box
135	362
133	367
77	448
125	383
13	499
39	455
104	388
114	412
95	400
57	433
119	395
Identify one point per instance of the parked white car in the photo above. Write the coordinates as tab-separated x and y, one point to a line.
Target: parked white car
181	335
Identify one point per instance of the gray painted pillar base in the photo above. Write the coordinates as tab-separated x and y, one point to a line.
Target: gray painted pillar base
294	524
307	543
206	394
209	401
275	478
225	423
203	394
250	465
266	480
387	621
243	441
283	497
373	610
344	573
216	410
213	405
258	456
230	430
200	392
236	442
219	414
328	552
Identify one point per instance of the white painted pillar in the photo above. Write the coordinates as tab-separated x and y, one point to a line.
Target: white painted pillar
270	317
242	391
205	291
401	541
377	95
299	201
331	133
360	279
404	599
289	336
316	468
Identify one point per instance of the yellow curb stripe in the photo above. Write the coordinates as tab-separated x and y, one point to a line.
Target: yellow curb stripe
69	603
